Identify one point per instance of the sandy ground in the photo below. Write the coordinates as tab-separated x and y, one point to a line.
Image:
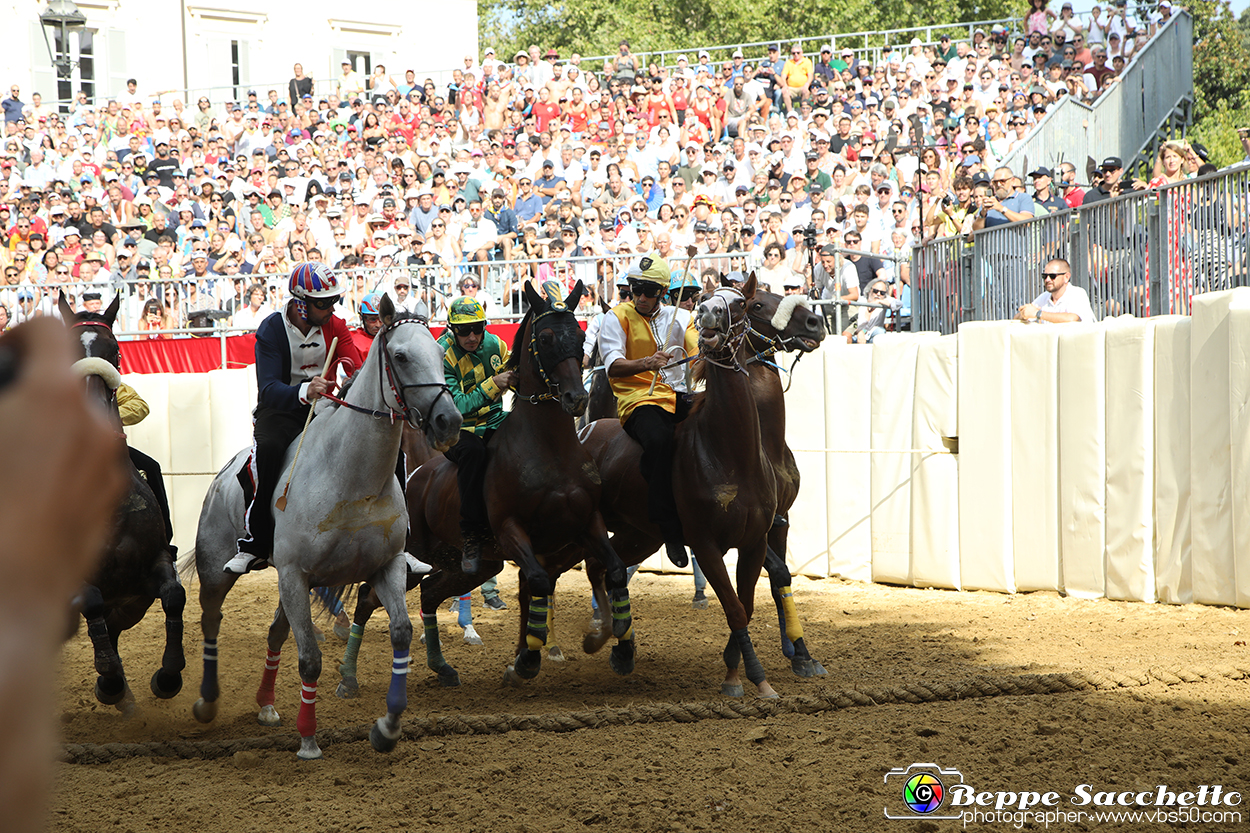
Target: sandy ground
824	771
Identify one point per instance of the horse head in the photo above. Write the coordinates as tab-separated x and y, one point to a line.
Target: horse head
784	323
412	362
101	356
721	318
553	340
94	330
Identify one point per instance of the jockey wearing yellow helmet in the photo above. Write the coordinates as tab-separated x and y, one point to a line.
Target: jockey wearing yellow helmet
473	364
639	337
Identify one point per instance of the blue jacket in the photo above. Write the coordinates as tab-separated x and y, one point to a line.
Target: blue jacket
277	387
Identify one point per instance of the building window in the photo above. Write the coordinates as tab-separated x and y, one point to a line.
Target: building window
235	74
362	62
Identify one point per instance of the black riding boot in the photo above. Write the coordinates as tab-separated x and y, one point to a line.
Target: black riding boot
476	538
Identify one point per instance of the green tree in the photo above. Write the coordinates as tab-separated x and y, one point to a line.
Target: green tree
595	27
1221	78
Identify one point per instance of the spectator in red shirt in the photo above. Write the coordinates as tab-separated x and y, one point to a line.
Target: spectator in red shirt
545	110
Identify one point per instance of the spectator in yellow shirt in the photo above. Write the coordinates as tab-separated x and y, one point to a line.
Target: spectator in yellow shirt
796	76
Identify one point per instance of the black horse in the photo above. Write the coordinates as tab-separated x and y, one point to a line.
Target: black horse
138	564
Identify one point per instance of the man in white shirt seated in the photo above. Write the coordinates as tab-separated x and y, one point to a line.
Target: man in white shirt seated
1061	303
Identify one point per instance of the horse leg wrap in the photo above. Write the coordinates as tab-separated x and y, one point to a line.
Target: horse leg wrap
793	627
536	629
347	668
306	722
208	686
465	611
622	618
99	634
264	694
732	653
397	694
754	668
787	647
433	649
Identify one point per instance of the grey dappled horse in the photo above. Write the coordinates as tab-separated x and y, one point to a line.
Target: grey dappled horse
345	520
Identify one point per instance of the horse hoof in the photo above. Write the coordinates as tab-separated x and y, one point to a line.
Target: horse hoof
621	661
699	602
471	636
594	641
110	694
555	654
308	750
165	685
380	740
807	667
448	677
731	689
269	717
512	678
348	689
528	664
204	711
818	670
341	632
772	695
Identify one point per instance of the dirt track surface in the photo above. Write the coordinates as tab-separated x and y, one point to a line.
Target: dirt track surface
790	772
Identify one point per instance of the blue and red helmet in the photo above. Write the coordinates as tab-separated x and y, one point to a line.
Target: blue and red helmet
314	280
369	304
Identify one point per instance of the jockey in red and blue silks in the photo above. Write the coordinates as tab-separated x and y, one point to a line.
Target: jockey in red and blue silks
291	349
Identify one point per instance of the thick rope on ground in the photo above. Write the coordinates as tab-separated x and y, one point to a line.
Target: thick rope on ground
496	724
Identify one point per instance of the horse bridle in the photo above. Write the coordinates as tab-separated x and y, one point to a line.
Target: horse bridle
104	325
553	388
736	333
409	414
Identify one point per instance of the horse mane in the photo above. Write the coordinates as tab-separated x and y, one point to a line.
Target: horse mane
518	343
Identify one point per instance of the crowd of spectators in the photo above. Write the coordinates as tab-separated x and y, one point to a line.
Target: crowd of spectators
819	171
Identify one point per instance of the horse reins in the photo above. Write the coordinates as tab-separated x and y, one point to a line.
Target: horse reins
737	332
405	413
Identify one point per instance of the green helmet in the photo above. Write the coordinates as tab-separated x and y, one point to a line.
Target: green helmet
465	310
650	268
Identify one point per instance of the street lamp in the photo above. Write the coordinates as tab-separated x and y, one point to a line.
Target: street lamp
63	14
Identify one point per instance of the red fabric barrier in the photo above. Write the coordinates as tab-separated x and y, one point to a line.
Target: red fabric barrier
200	355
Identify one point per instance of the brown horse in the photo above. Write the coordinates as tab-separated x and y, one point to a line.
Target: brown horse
542	494
723	481
138	567
777	325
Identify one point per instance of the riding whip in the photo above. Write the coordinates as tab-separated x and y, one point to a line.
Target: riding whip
691	251
281	502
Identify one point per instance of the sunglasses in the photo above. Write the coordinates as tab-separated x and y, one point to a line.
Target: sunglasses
879	292
469	285
475	329
1053	274
646	290
324	303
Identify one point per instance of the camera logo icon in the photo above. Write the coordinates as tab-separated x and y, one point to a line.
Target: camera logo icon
922	790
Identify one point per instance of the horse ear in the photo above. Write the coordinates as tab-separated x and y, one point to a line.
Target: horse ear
604	305
111	313
576	295
725	281
535	300
748	288
67	313
386	311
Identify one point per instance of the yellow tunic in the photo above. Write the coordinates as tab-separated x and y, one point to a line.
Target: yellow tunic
641	341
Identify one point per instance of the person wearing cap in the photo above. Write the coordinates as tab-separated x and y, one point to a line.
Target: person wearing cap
635	343
1106	181
349	83
473	368
287	389
1046	200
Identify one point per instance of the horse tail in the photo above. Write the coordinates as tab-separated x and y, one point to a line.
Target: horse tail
186	566
329	601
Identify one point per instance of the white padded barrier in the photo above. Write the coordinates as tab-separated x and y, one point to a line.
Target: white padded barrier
848	414
893	392
1034	431
1239	439
191	450
808	540
1129	557
935	479
1082	457
985	523
1211	468
1172	526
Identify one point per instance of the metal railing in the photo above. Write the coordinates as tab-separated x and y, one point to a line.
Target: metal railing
868	45
1152	95
1143	253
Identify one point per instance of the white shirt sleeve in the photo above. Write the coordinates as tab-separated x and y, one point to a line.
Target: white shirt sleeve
611	340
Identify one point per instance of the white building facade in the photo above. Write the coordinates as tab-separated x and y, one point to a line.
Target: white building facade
223	48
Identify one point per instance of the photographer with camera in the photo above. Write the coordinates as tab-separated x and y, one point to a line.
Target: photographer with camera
1107	182
945	211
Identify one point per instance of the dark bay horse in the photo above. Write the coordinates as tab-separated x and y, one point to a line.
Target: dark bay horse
722	479
777	325
138	567
542	495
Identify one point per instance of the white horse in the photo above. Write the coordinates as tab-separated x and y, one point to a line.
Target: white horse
344	522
